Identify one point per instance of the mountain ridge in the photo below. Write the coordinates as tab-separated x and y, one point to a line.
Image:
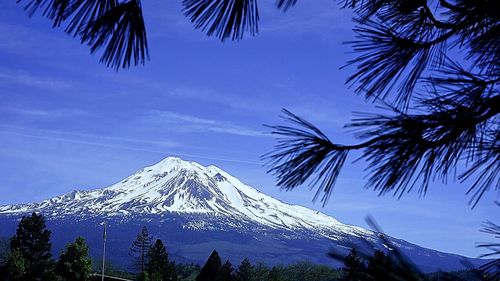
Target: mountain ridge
177	186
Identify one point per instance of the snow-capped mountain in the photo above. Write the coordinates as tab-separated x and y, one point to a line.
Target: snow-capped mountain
181	187
196	208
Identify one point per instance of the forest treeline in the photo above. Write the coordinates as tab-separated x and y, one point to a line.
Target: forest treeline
27	256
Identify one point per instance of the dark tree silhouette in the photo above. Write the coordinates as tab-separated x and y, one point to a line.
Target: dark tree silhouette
140	247
244	271
31	247
159	263
354	267
210	271
226	272
379	267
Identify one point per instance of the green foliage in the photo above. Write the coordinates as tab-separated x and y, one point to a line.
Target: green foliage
260	272
17	265
158	265
211	269
274	274
144	276
74	264
245	270
140	247
32	243
4	250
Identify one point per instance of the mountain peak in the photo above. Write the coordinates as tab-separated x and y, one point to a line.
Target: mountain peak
174	163
176	186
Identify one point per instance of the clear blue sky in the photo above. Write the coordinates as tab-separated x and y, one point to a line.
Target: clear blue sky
67	122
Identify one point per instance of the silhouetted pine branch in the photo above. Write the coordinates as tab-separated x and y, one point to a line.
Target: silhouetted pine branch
453	118
285	4
120	31
400	41
223	18
305	151
116	27
492	268
401	149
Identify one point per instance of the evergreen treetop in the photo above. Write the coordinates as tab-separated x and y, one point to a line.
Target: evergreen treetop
32	243
140	247
74	263
244	272
158	263
211	269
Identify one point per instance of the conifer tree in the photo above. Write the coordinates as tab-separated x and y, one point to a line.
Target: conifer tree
158	263
74	264
140	248
32	243
379	267
244	272
354	267
226	272
211	269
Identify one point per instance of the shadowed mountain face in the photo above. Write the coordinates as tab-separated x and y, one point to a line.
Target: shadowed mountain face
195	209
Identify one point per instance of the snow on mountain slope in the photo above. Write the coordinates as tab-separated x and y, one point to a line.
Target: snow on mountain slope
174	186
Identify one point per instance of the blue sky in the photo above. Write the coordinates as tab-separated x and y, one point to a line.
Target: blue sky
67	122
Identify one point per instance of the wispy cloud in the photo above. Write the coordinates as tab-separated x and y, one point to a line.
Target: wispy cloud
190	123
27	40
31	80
44	113
87	139
162	147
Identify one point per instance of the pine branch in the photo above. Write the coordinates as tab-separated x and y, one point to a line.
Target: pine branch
304	152
116	27
285	4
491	268
223	18
401	150
388	60
120	31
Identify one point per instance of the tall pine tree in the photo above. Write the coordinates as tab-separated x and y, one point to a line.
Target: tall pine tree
380	267
244	272
226	272
140	248
158	263
74	263
210	271
31	243
354	267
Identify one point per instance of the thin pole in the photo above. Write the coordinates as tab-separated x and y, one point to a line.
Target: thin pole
104	251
